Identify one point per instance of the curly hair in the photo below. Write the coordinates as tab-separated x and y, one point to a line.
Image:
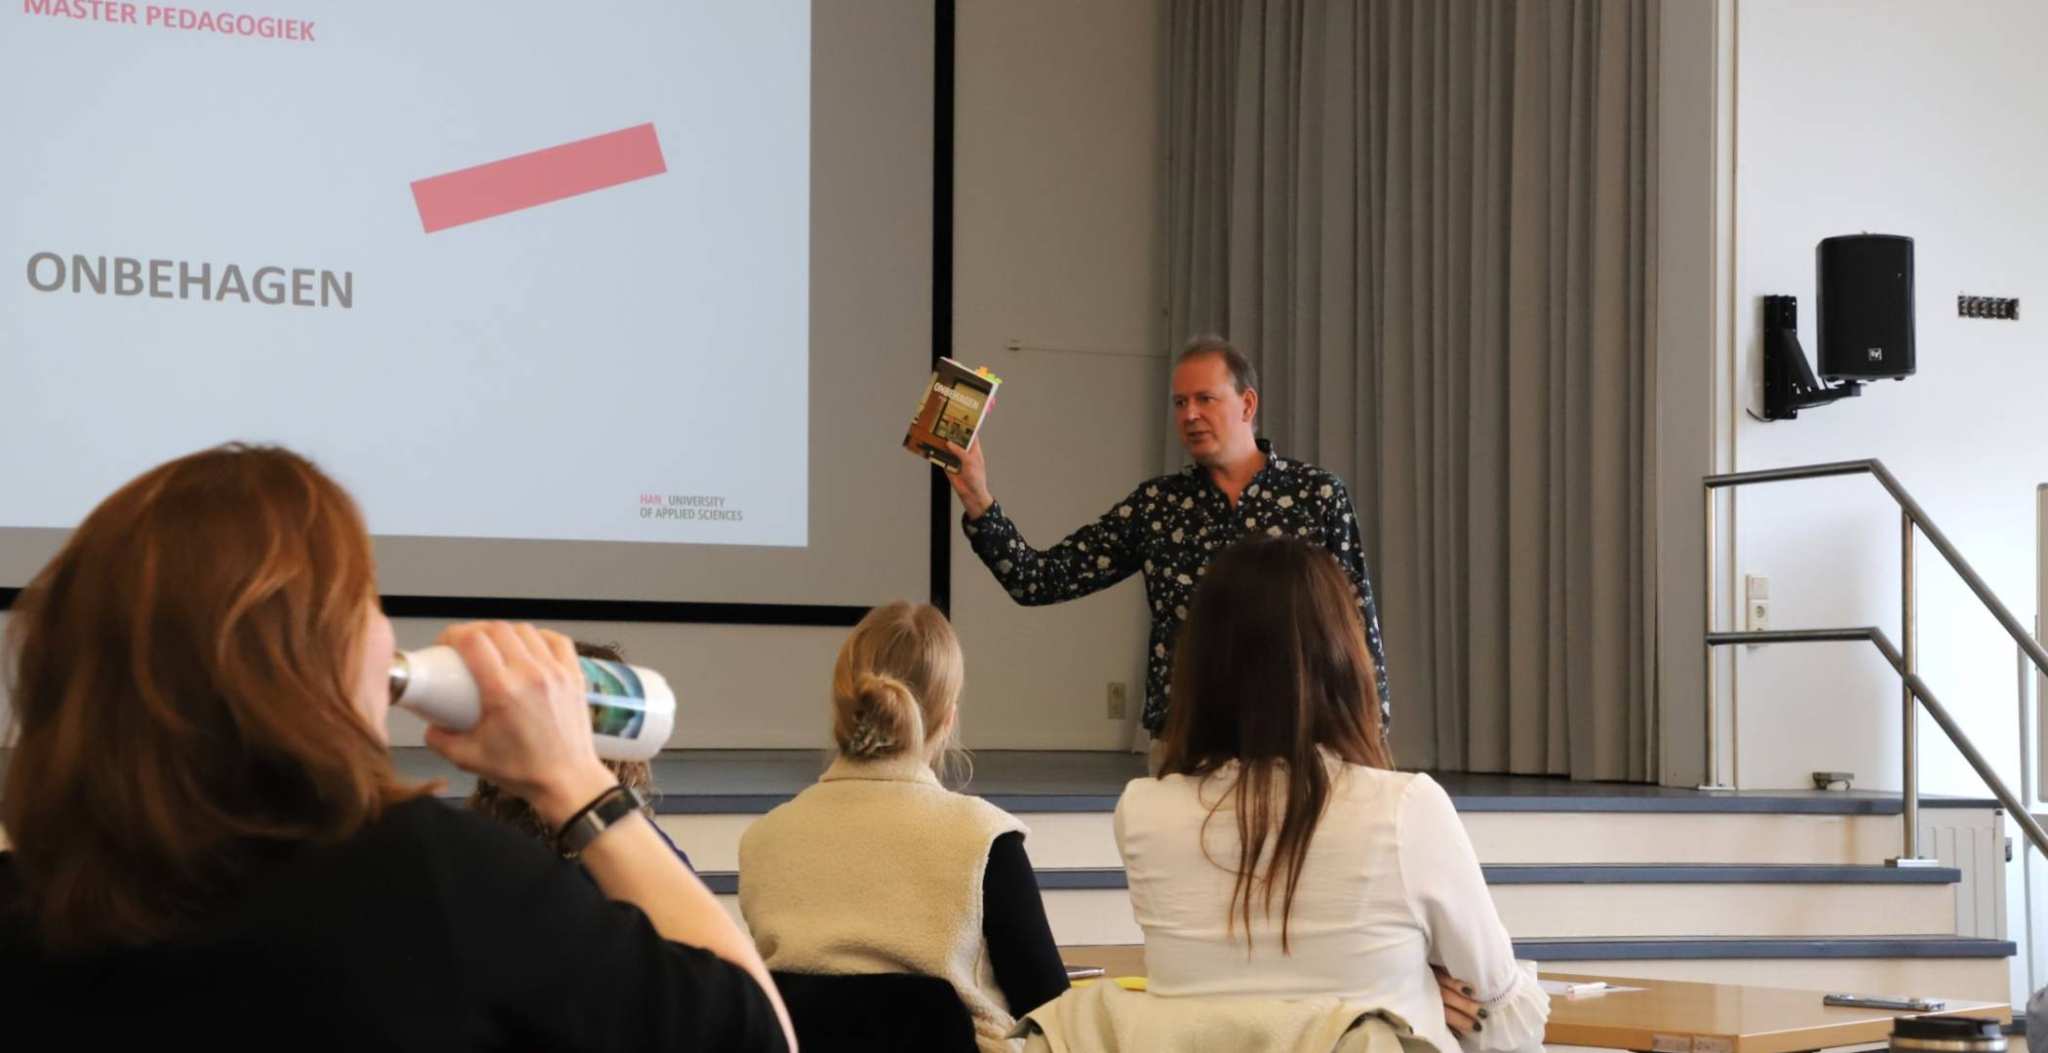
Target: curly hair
488	798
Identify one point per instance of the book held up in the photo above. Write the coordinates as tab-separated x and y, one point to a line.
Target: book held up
951	409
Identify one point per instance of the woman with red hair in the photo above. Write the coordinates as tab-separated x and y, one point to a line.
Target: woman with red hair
209	838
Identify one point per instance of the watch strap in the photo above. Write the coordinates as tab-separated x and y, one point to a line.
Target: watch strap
602	813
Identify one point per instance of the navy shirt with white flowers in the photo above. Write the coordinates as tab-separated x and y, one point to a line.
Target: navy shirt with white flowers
1169	528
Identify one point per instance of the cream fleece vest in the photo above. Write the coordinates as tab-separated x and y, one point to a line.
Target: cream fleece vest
878	869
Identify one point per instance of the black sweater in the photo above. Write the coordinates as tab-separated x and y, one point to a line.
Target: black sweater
1020	948
433	929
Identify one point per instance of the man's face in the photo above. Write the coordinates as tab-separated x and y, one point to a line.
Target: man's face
1213	420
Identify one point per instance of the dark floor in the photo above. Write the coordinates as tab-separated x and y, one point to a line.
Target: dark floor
1074	780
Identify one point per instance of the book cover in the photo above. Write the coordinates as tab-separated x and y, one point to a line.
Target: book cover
951	409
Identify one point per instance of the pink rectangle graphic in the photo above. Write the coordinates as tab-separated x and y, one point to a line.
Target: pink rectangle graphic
497	187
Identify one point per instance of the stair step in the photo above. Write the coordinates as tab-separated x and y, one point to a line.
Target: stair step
1615	801
1057	878
1092	905
1046	781
1943	966
1082	840
710	796
1983	978
1058	840
1658	909
1751	948
1701	838
1716	874
725	882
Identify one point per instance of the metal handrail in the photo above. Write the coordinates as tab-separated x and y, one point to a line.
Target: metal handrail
1919	516
1912	518
1919	688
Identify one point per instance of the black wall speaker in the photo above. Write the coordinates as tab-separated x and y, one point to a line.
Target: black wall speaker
1865	316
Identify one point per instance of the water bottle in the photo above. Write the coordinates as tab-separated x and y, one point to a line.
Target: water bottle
632	709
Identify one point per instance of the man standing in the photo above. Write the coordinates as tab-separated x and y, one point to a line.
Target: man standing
1171	526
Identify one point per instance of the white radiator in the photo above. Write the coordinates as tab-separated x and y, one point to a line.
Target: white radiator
1971	840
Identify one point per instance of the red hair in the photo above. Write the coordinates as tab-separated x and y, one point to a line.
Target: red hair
182	678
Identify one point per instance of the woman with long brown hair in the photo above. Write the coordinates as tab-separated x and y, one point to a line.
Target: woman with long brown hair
209	838
1278	853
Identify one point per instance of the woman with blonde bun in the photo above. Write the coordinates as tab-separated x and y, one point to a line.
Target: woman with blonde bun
879	868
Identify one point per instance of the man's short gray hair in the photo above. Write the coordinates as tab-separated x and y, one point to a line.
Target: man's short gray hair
1243	376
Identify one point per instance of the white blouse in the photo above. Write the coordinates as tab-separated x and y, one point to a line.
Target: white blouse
1390	885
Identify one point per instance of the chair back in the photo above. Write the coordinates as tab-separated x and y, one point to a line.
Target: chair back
876	1012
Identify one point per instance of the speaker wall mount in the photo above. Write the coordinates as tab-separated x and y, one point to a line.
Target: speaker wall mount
1864	325
1789	383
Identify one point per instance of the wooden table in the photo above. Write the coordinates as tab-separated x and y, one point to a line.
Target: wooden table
1116	959
1671	1016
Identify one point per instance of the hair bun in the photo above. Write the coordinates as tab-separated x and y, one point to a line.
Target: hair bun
885	718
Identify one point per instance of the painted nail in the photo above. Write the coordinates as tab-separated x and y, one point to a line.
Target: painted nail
1476	1028
1467	989
1482	1014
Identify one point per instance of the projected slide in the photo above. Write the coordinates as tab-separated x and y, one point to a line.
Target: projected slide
507	269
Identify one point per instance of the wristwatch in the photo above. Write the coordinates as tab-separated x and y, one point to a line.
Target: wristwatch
608	808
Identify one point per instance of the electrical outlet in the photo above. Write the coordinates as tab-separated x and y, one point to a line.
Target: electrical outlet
1756	611
1119	706
1999	308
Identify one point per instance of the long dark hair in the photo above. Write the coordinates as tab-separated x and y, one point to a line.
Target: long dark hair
1271	669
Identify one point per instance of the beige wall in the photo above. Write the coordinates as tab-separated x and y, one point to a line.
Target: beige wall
1058	253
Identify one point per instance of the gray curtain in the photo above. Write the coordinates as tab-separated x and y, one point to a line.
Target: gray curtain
1431	225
